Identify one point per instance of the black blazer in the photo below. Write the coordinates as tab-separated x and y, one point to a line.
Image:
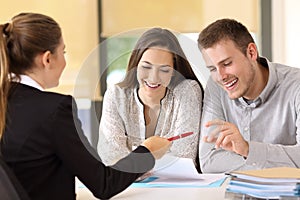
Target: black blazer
10	188
44	145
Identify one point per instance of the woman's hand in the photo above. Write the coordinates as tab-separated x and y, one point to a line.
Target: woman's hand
158	146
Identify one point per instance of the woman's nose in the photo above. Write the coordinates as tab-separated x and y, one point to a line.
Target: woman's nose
153	76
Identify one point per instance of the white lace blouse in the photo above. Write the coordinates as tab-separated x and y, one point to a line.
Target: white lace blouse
122	125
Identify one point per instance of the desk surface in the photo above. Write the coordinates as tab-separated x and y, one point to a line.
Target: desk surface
132	193
187	171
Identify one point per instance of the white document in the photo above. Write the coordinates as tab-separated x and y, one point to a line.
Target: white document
181	171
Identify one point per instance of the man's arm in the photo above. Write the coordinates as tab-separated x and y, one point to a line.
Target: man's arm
215	160
257	155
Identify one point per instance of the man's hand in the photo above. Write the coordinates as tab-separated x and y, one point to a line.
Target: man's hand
227	136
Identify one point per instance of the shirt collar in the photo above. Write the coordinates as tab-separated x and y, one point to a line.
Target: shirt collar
136	96
271	84
27	80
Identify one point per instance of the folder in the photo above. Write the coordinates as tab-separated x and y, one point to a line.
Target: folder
270	173
266	183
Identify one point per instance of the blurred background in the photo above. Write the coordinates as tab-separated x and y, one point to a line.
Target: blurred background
100	34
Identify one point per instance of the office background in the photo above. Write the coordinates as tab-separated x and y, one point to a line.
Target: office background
100	33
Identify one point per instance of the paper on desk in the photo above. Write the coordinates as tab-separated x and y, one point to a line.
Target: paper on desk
199	180
182	172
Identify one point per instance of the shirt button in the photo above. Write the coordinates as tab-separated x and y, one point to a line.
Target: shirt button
246	128
254	163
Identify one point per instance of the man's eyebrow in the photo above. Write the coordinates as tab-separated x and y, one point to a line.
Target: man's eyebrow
224	60
219	63
210	66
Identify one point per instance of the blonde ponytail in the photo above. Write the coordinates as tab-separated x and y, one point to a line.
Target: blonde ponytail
4	77
27	35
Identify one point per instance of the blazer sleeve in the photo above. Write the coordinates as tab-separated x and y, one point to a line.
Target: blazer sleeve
73	148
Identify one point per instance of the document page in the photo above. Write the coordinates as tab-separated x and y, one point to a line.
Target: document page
182	172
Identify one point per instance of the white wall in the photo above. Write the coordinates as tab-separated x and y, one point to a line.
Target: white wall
79	22
286	31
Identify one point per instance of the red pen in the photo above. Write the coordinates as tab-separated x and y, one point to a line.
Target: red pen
180	136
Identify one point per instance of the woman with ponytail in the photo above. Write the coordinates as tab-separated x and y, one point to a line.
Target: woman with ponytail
4	78
41	136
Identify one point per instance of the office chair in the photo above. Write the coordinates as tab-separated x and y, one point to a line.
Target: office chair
10	188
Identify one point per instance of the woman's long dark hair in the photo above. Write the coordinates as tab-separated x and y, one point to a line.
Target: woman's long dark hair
160	38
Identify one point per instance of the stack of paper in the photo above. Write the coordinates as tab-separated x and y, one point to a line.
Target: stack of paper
271	183
180	173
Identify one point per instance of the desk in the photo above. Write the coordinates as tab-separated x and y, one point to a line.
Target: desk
187	171
132	193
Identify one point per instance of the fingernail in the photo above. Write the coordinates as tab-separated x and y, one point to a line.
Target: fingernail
209	139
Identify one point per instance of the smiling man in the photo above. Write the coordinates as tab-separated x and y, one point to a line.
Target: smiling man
250	117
